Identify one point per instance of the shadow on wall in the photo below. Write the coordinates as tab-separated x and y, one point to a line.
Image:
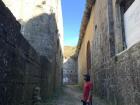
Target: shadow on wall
23	67
46	81
42	33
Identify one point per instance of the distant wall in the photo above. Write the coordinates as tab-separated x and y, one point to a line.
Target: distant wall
70	74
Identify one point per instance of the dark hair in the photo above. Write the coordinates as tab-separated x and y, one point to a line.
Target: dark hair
86	77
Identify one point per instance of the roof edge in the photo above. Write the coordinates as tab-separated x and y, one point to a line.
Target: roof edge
84	23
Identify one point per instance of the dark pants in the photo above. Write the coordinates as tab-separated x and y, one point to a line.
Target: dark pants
84	103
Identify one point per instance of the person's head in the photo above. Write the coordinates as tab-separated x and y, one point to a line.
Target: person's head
87	77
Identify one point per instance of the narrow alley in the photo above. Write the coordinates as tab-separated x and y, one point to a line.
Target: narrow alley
69	52
71	95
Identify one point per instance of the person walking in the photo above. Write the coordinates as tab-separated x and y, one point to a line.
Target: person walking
87	91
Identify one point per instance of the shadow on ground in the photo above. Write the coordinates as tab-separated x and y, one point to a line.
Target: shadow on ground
70	95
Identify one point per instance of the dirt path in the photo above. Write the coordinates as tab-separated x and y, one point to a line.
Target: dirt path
71	96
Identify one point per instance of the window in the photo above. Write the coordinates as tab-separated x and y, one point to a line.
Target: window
127	10
121	23
132	22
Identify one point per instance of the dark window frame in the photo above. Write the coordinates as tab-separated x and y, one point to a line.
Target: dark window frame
124	5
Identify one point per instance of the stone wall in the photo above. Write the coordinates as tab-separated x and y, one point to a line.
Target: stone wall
116	75
70	71
115	68
118	80
42	26
40	20
21	67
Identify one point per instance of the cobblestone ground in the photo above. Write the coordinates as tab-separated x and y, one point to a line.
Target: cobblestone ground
71	96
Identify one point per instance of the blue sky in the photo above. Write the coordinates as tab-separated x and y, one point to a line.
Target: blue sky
72	17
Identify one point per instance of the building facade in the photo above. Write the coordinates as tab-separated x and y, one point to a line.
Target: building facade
113	58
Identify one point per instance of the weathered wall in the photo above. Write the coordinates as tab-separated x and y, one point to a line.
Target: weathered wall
21	67
98	34
20	64
115	72
59	67
37	12
115	78
101	44
42	27
82	57
70	75
118	79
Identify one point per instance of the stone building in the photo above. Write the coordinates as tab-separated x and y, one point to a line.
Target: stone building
35	57
69	71
42	26
109	49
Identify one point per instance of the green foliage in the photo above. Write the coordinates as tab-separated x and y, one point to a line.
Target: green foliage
51	9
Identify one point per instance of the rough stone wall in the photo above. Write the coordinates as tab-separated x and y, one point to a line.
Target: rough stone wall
115	72
116	76
37	15
19	64
21	67
118	79
42	26
70	74
59	67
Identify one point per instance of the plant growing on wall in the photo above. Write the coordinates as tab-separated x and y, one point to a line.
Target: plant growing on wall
51	10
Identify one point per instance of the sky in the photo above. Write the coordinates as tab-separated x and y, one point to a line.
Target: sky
72	11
